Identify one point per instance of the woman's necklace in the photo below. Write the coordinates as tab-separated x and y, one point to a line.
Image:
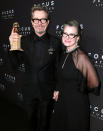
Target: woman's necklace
68	52
65	60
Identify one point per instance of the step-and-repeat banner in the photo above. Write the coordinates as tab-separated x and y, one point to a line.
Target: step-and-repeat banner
89	13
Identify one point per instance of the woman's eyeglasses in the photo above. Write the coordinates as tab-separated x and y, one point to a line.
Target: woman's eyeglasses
71	36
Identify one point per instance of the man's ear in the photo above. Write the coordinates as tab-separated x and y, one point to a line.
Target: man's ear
48	21
31	22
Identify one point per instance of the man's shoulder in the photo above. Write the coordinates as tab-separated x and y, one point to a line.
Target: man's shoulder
53	37
55	41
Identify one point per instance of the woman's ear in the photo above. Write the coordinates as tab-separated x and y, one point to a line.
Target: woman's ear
78	38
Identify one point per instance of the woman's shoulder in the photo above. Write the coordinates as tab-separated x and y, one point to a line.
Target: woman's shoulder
82	54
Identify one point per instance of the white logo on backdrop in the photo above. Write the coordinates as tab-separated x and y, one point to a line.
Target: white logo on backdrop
9	78
49	4
59	29
7	14
25	30
97	57
96	111
97	3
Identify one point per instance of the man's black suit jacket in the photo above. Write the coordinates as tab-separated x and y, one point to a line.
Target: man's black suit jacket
39	80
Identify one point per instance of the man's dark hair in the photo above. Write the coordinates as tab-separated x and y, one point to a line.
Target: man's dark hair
40	8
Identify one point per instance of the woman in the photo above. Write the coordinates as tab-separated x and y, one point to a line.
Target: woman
76	75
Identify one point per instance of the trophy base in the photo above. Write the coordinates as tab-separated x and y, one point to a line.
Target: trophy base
19	49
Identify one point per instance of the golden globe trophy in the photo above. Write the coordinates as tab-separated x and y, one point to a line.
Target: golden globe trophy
17	44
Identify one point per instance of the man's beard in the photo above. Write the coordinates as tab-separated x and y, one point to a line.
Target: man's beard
41	32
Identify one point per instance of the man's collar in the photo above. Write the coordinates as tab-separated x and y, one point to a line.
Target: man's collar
36	38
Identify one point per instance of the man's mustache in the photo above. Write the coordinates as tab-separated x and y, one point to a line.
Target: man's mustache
40	26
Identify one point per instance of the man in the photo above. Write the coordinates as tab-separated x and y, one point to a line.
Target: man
40	50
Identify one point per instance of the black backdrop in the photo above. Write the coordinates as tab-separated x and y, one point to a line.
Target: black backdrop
88	13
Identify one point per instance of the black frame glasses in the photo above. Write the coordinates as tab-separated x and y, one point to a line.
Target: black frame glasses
43	20
71	36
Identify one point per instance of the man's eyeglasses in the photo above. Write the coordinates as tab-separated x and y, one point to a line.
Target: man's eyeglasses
43	20
71	36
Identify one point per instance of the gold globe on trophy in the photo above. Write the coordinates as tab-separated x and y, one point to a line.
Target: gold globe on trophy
16	45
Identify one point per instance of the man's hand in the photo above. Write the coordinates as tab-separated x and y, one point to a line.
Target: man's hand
55	95
15	40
